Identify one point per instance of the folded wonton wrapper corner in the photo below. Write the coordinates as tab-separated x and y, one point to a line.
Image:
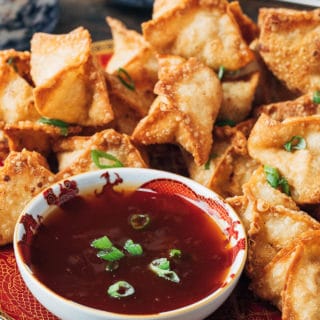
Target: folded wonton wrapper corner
70	85
205	29
189	99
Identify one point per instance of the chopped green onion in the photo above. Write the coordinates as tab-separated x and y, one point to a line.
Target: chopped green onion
96	155
13	63
316	97
134	249
101	243
161	267
284	185
175	253
207	164
275	180
57	123
295	143
222	123
221	72
120	289
126	79
112	265
139	221
111	254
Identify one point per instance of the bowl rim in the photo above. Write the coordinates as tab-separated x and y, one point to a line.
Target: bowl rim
154	174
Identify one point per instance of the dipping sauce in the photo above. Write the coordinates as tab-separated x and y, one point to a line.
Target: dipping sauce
63	259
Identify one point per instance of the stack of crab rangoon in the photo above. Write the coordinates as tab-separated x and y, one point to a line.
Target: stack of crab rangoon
240	100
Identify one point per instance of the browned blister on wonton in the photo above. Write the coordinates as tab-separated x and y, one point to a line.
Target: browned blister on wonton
22	177
70	84
134	56
289	43
189	98
107	141
301	165
205	29
16	97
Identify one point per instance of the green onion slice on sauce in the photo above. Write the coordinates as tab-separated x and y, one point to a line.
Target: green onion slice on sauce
111	254
221	72
226	122
120	289
139	221
126	79
275	180
134	249
161	267
102	243
295	143
57	123
316	97
175	253
96	156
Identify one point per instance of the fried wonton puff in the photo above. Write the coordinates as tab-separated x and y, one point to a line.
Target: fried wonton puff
300	165
204	29
125	104
22	177
289	44
19	61
189	98
70	85
238	96
300	107
79	149
16	97
133	55
229	166
34	136
271	219
291	279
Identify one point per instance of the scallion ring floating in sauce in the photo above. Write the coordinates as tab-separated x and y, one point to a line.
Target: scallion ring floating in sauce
96	155
139	221
161	267
120	289
133	249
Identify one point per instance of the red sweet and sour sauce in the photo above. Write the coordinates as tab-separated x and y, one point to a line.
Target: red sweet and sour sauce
63	259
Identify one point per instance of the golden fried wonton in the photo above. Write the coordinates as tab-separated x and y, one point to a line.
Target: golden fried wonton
229	166
238	96
291	279
79	150
301	165
134	55
16	97
289	44
186	108
70	85
205	29
22	177
34	136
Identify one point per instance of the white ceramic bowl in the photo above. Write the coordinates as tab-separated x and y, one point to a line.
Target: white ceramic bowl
160	181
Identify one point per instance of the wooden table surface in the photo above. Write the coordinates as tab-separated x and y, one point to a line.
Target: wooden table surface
91	14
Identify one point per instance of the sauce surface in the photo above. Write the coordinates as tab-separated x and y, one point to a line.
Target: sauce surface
62	258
